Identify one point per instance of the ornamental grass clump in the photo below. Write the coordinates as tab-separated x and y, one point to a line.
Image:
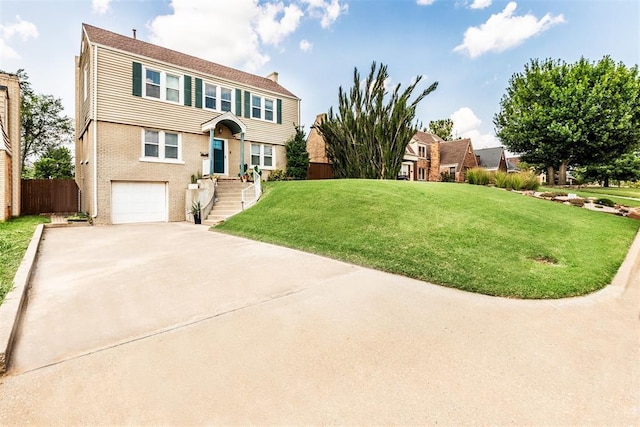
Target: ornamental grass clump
517	181
478	176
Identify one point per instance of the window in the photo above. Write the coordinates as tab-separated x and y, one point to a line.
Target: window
421	174
210	96
256	107
452	170
225	99
422	151
173	88
160	146
161	85
262	108
152	84
263	156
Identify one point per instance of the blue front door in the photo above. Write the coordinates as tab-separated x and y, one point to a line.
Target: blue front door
218	156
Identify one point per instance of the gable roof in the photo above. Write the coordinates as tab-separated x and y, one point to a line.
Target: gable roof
426	137
490	157
454	151
107	38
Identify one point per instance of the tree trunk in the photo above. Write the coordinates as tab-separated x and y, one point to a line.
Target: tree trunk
562	173
606	181
550	175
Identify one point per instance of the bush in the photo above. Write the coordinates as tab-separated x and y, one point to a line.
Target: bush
577	202
501	179
553	194
478	176
531	181
277	175
517	181
447	177
605	202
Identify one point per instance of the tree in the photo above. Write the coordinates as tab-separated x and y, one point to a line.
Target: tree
368	136
559	115
55	163
443	128
43	126
297	155
624	168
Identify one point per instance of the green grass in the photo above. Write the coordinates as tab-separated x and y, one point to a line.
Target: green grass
15	236
474	238
609	193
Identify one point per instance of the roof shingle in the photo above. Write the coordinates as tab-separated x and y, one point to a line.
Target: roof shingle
107	38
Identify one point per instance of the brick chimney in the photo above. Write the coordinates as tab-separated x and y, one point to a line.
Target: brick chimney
434	166
273	77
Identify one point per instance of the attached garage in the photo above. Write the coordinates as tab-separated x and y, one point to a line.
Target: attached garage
138	202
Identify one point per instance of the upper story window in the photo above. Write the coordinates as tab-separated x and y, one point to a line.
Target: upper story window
161	146
162	85
422	151
217	98
262	108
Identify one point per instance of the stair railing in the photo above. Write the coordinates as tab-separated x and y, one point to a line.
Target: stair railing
252	193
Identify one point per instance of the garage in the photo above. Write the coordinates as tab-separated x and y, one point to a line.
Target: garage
138	202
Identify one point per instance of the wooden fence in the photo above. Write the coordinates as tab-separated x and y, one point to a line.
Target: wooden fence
320	171
48	196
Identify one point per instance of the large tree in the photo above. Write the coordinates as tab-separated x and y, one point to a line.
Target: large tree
443	128
297	155
55	163
368	135
43	124
559	115
624	168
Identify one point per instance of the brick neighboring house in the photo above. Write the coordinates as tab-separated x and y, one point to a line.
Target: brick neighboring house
436	156
147	118
9	146
492	159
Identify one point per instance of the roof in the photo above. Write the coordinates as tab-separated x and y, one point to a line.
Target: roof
426	137
454	151
490	157
107	38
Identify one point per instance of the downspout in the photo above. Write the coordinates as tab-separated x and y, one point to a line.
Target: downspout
242	153
95	131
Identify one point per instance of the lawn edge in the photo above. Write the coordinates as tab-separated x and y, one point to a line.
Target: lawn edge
623	278
11	308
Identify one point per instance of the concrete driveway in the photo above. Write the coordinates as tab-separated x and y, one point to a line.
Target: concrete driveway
172	324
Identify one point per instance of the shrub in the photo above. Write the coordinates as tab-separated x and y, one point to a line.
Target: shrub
447	177
531	181
478	176
577	202
553	194
605	202
501	179
517	181
277	175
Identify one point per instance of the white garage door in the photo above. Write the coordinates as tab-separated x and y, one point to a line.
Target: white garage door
138	202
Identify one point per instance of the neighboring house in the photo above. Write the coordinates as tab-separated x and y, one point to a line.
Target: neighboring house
319	165
9	146
147	118
436	156
492	159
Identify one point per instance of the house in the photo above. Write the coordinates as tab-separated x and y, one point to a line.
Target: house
319	164
9	146
436	157
492	159
148	118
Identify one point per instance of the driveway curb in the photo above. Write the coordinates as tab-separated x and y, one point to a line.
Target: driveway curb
623	277
11	308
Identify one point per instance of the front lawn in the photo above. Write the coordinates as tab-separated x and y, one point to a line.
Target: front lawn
15	236
602	192
474	238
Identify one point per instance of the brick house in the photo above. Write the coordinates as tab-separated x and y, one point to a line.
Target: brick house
9	146
435	156
147	118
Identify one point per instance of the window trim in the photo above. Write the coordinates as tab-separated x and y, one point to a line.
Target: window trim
263	108
161	147
262	156
218	97
163	85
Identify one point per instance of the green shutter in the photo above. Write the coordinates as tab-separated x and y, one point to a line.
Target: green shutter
187	91
137	79
198	93
238	103
247	104
279	111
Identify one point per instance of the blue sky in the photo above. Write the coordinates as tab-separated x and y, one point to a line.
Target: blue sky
471	47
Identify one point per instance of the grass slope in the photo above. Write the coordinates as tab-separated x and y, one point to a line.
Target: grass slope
15	236
469	237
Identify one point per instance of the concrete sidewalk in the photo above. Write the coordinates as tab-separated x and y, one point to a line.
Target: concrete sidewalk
172	324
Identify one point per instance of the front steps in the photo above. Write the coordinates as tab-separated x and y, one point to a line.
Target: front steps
229	196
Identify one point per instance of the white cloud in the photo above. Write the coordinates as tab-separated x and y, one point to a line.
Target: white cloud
425	2
480	4
305	45
327	11
273	30
100	6
503	31
466	124
189	29
23	29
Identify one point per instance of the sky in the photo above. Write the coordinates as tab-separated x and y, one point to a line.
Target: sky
470	47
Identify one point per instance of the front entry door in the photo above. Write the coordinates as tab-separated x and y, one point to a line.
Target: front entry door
218	157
